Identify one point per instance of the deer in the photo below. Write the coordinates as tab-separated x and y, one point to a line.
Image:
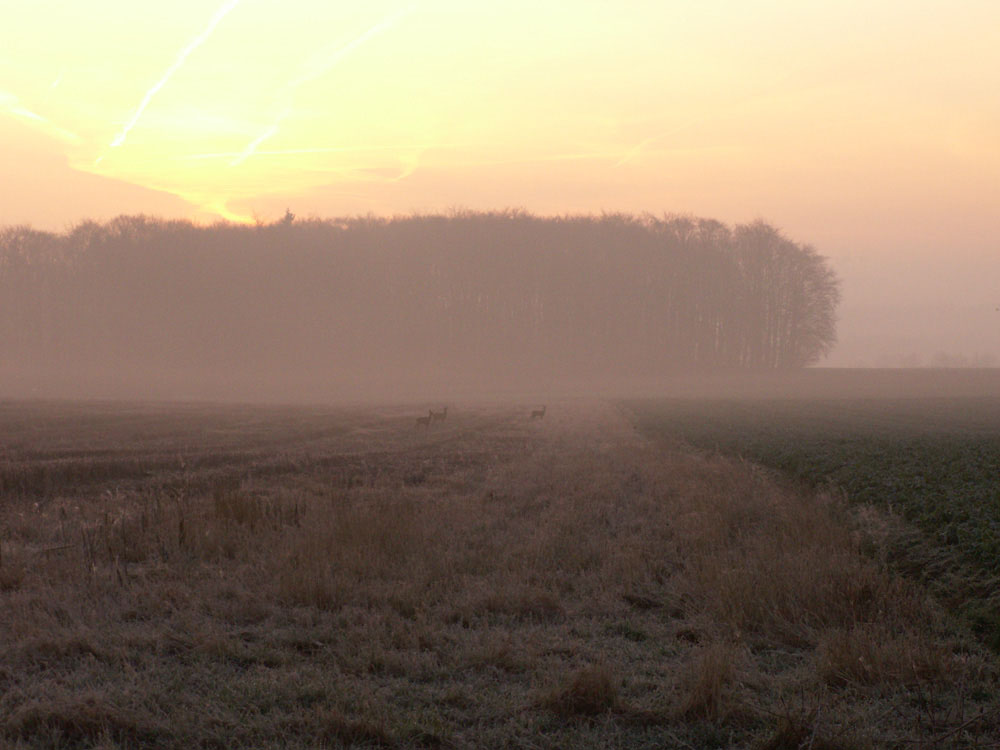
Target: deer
538	413
425	421
439	416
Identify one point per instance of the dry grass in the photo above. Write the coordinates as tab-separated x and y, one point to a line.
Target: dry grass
706	681
495	582
82	721
871	655
590	691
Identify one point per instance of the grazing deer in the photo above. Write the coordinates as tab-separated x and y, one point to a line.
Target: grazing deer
439	416
426	421
538	413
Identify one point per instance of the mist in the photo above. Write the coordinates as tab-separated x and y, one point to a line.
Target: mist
460	305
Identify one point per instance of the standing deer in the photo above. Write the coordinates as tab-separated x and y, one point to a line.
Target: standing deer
538	413
439	416
425	421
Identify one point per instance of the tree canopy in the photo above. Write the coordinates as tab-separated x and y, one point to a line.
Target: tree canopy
470	294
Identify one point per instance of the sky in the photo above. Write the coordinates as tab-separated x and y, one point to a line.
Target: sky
870	130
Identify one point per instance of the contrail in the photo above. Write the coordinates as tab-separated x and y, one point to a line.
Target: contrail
732	112
269	152
181	57
315	150
322	68
642	145
11	105
340	52
252	146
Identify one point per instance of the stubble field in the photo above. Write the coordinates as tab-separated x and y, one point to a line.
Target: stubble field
201	576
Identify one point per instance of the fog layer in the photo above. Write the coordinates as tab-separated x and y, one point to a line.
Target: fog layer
469	302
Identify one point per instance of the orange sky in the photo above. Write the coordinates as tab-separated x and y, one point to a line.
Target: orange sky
871	129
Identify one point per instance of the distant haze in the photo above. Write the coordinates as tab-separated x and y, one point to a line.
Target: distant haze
868	130
465	303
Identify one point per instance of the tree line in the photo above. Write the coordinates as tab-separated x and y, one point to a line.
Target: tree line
465	294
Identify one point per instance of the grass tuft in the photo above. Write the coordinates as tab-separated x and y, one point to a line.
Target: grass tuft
590	691
705	682
867	655
339	730
800	732
12	576
83	722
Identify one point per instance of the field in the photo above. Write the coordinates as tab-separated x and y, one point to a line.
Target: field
933	461
209	576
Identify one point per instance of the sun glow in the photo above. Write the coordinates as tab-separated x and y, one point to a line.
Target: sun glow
335	107
212	190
